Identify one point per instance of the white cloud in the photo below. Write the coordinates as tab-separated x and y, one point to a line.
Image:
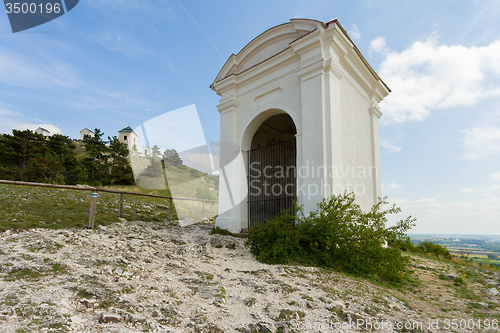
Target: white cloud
354	32
10	120
430	202
53	129
495	187
378	45
479	217
481	142
462	205
394	185
495	176
400	201
467	190
8	113
19	70
392	148
428	76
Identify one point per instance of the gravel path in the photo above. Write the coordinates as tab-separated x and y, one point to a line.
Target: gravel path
160	277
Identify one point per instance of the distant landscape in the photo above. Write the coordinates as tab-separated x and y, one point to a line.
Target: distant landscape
481	248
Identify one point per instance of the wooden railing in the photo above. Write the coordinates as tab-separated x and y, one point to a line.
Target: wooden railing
93	202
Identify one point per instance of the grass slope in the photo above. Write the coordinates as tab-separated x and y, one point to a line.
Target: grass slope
24	207
181	182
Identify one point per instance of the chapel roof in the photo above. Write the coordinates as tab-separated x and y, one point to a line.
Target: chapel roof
276	40
127	129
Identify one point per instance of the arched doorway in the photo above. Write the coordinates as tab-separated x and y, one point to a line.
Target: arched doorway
272	179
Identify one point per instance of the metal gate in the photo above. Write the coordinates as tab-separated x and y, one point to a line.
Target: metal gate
272	180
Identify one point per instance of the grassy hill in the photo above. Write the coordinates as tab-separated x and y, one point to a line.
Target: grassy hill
178	181
23	207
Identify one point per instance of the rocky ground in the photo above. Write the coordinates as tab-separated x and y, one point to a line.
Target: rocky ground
161	277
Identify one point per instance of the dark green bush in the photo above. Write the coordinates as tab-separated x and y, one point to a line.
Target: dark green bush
425	247
492	256
403	244
220	231
434	249
338	235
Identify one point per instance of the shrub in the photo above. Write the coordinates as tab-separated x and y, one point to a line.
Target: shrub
492	256
338	235
220	231
425	247
404	244
435	249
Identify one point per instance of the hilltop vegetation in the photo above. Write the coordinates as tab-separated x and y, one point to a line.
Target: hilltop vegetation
31	157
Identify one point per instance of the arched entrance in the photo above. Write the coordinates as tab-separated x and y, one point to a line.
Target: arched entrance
272	161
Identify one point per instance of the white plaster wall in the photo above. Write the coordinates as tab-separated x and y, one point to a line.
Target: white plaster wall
356	142
310	191
288	100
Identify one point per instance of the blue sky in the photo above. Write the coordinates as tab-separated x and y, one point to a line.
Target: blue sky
108	63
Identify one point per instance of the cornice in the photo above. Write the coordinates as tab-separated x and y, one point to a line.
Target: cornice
307	43
375	111
311	68
228	106
224	85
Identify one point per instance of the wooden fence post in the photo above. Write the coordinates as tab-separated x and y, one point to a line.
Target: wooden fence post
120	206
93	207
203	210
170	209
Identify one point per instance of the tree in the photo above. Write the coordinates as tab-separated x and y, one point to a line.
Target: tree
156	150
18	154
63	150
172	156
29	156
492	256
96	157
120	170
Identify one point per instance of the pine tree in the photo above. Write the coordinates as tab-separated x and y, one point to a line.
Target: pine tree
63	149
96	157
121	171
172	156
19	153
155	150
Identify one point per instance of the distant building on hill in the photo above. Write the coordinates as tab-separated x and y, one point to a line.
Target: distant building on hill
128	137
43	131
86	131
147	151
